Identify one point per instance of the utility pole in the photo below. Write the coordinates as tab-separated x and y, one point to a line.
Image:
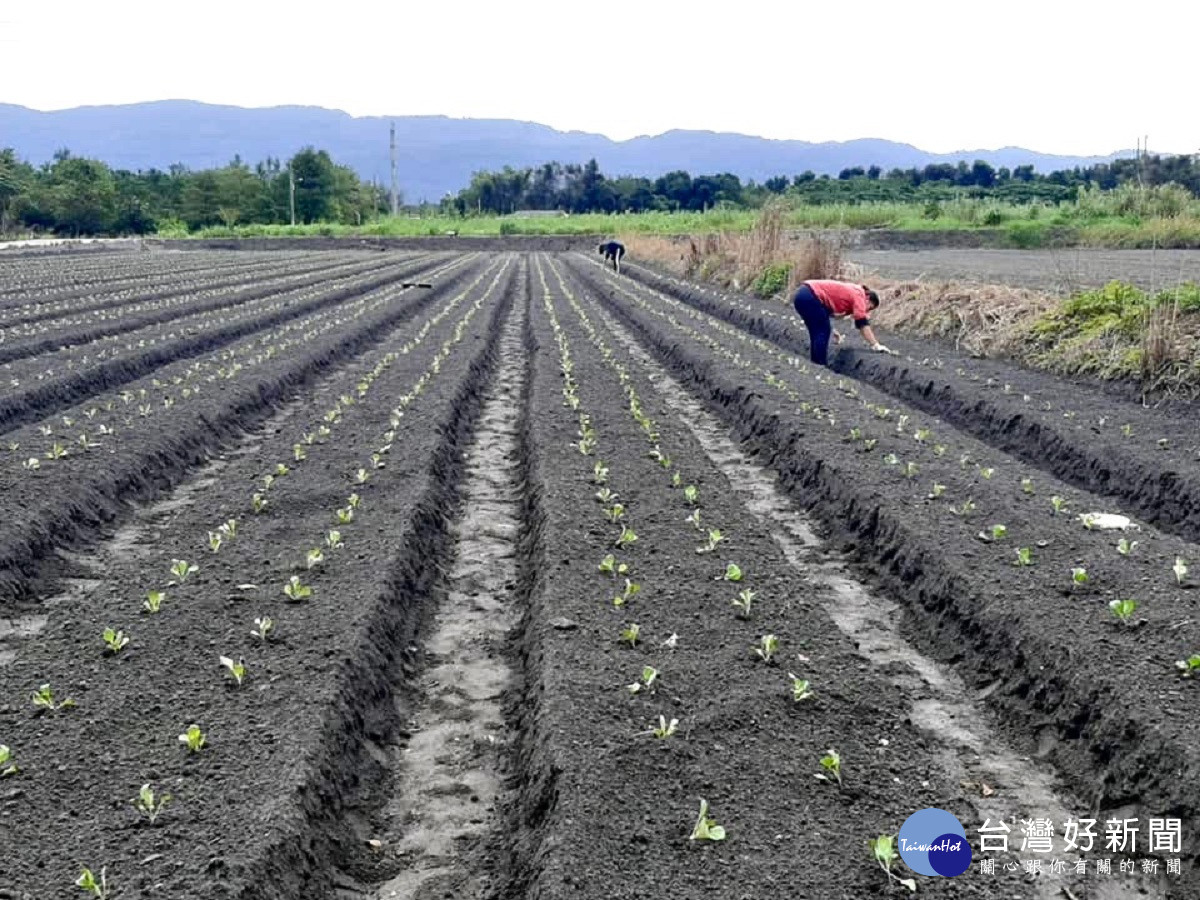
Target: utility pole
292	194
395	198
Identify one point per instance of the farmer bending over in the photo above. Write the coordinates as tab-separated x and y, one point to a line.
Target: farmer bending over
613	250
817	301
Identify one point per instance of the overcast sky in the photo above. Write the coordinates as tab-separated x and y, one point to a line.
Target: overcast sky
1059	76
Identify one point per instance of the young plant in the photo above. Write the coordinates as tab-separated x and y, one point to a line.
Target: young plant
766	647
237	670
214	541
694	520
97	887
345	515
891	459
743	601
626	537
362	476
922	435
706	827
1058	503
1123	610
1125	546
154	600
333	539
1187	667
1024	557
264	627
714	538
610	566
1027	485
599	472
800	688
938	490
631	633
295	590
150	804
8	768
691	494
966	509
1079	576
313	557
883	849
228	529
910	470
649	676
676	479
1127	430
855	434
664	729
43	698
354	501
733	572
869	444
281	470
831	762
986	474
194	738
1180	569
114	641
999	532
615	512
631	590
606	496
181	569
298	452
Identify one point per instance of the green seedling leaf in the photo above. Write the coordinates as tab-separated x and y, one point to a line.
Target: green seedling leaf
733	572
97	887
766	647
938	490
1027	485
263	628
149	804
626	537
43	699
314	557
631	590
743	602
236	670
649	676
333	540
1059	504
1187	667
1125	546
1079	576
883	849
631	633
831	763
706	827
1180	569
691	494
7	767
114	641
1123	610
714	538
800	688
258	502
194	738
664	729
295	590
599	472
1024	557
182	569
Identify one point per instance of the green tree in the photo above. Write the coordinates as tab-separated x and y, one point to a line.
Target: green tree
82	195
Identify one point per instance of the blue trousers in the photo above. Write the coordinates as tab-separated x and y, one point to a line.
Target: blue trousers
816	318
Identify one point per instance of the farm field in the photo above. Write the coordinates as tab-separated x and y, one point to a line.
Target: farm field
434	574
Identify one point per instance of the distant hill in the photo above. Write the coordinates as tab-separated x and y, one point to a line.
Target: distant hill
438	154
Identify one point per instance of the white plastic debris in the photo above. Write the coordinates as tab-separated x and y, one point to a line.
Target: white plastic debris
1106	521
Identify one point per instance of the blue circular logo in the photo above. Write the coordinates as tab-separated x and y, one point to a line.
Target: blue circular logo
933	842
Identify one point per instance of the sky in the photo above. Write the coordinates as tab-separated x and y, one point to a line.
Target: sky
1057	76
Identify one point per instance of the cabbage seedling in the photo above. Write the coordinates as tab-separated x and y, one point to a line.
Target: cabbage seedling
911	469
883	849
733	572
150	804
263	627
999	532
214	541
987	474
7	767
599	472
295	590
922	435
181	569
1058	503
237	670
767	645
831	762
57	451
1079	576
800	688
345	515
706	827
691	494
194	738
1187	667
362	476
1123	610
354	501
153	601
114	641
615	512
267	481
664	729
649	676
606	496
626	537
869	444
1024	557
631	633
333	540
891	460
1180	569
694	519
631	589
743	600
32	464
281	470
228	529
96	887
298	452
1126	546
610	566
314	557
1127	430
1027	485
938	490
377	461
939	450
714	538
43	698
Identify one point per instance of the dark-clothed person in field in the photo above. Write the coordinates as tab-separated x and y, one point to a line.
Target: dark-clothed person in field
819	301
613	250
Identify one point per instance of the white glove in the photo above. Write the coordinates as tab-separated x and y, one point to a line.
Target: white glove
838	337
879	348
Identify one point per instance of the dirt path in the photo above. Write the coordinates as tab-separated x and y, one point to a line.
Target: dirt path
1056	271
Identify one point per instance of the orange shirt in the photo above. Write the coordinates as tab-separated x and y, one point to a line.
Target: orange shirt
842	299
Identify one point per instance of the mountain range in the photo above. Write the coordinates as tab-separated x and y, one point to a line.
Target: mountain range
436	154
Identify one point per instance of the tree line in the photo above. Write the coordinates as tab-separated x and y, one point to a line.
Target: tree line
73	195
584	188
